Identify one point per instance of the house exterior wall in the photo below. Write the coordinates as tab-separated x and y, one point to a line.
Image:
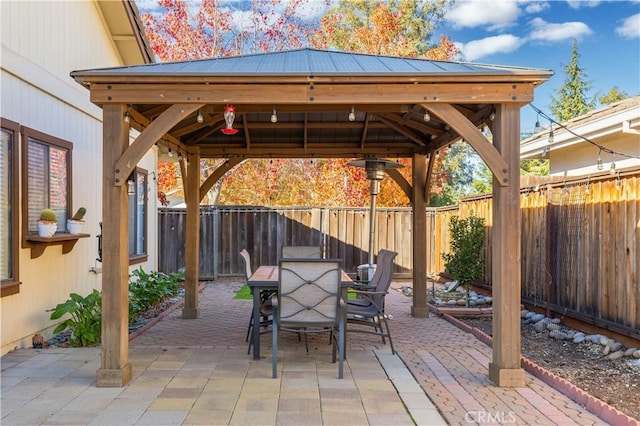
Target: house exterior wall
42	42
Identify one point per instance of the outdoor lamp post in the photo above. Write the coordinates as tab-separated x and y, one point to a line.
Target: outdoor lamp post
375	168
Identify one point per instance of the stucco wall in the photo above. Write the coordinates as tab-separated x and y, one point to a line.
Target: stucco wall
42	42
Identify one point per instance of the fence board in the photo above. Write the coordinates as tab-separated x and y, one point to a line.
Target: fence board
580	242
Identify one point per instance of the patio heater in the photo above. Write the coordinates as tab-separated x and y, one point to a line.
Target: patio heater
375	168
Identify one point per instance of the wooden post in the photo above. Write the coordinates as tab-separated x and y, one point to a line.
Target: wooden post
505	369
419	308
115	370
192	240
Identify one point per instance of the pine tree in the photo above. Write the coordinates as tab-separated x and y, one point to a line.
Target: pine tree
572	101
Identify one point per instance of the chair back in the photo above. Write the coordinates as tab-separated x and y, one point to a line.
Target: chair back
384	273
308	292
245	259
301	252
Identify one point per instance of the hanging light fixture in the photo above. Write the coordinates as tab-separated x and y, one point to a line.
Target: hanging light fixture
127	116
599	162
427	116
199	117
375	169
492	115
274	116
536	127
170	153
229	116
352	114
613	165
551	137
545	151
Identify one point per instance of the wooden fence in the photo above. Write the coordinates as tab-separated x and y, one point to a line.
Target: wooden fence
580	248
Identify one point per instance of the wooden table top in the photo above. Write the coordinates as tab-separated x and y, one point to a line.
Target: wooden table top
268	275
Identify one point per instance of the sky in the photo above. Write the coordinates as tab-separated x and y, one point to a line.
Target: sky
539	34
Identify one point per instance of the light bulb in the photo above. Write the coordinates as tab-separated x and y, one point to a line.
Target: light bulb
618	183
600	166
199	117
427	116
550	140
492	116
126	117
352	114
545	151
613	168
170	153
274	116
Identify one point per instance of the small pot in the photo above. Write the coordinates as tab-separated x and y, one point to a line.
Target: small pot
74	226
47	229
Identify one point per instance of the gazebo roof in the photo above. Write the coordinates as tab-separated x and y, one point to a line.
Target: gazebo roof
312	92
308	63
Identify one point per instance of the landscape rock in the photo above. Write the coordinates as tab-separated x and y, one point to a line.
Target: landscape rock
630	351
615	355
578	338
616	347
636	354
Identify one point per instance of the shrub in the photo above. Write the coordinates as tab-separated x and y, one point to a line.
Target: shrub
465	263
85	318
147	290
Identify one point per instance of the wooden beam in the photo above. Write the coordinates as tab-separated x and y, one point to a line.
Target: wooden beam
192	239
404	185
247	135
284	150
183	175
115	369
427	186
403	131
406	121
365	129
476	139
419	218
217	174
148	137
505	369
317	93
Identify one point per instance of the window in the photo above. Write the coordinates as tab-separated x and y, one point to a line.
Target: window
8	208
46	178
137	188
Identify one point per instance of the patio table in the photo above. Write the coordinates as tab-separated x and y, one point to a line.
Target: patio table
266	278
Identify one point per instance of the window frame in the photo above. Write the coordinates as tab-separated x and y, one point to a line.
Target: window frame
26	134
142	257
12	285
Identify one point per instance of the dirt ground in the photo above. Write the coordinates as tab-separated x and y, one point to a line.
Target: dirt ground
583	364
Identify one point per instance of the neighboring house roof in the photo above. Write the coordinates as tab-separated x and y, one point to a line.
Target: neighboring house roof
614	127
122	20
313	62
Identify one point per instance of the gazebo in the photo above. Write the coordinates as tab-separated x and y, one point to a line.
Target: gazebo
325	104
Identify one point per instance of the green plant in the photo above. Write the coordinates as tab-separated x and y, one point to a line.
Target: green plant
79	214
147	290
48	215
465	263
85	321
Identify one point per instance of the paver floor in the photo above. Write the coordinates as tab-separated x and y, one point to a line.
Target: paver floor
198	372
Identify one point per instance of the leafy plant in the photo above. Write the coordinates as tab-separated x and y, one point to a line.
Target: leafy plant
147	290
465	263
85	321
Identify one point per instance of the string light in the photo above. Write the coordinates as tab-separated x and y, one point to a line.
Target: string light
492	116
274	116
127	117
551	138
199	117
536	127
352	114
600	147
170	153
618	182
613	164
427	116
545	151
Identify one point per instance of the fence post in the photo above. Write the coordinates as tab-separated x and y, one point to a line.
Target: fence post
216	248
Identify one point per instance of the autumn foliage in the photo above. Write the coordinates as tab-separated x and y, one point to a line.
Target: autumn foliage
183	31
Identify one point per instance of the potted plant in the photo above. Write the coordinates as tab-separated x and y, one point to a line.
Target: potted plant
48	223
74	225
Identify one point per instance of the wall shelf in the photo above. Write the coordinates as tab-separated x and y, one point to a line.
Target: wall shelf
39	244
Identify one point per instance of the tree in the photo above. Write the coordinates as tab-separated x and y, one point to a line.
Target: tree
534	167
614	95
572	101
394	27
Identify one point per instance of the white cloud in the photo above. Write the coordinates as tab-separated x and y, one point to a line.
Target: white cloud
531	7
494	14
546	31
630	27
476	49
577	4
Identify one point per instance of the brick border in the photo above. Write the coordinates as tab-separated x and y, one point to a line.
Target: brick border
594	405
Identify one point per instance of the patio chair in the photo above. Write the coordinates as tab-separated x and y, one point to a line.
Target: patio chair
367	310
309	301
266	310
301	252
